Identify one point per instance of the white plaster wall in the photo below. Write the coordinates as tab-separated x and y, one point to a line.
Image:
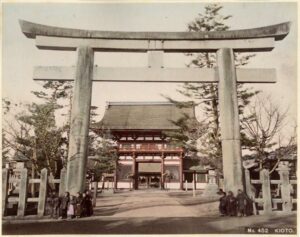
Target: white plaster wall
167	162
198	185
157	158
106	184
123	185
172	185
125	162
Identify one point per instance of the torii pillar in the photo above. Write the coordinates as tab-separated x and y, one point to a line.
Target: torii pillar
80	120
224	43
229	121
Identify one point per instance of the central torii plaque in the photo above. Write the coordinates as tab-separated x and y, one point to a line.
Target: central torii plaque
224	43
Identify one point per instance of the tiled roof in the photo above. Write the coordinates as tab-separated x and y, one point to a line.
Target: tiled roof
142	116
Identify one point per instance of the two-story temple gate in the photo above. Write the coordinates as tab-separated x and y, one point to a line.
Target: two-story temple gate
224	43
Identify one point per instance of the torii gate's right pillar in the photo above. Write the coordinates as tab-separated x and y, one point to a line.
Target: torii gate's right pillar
229	121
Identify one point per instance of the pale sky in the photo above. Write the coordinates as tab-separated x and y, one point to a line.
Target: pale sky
20	54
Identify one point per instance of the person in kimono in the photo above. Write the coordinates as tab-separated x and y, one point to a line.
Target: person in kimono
78	205
222	205
88	204
84	205
54	205
64	204
241	201
230	204
49	205
249	206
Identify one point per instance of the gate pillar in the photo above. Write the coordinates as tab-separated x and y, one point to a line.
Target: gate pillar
80	119
229	121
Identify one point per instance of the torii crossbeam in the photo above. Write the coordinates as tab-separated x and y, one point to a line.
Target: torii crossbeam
224	43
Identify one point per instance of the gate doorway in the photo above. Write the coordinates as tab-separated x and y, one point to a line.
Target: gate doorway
149	175
149	180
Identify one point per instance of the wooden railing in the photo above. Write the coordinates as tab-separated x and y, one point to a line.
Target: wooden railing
266	198
22	200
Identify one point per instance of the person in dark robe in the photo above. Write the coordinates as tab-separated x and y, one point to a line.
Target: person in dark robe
241	201
63	207
230	204
49	205
84	205
54	205
222	205
88	203
78	206
249	206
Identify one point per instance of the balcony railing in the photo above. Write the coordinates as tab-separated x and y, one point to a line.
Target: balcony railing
148	147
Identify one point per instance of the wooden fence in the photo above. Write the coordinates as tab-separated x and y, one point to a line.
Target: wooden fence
22	181
264	197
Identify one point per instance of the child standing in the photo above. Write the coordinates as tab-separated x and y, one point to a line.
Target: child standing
71	207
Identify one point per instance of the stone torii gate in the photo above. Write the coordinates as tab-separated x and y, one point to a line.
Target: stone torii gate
224	43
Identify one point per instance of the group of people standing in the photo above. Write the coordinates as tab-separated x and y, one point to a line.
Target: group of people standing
69	206
241	205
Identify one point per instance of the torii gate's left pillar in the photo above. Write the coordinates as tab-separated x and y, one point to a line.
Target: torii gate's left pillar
80	119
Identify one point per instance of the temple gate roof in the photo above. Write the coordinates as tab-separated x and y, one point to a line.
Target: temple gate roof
142	116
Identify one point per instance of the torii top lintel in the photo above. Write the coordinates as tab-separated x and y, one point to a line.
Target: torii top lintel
279	31
256	39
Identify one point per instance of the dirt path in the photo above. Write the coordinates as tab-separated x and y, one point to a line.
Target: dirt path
153	204
151	212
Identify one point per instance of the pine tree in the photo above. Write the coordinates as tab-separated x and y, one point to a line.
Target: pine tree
44	138
38	136
93	136
33	132
188	132
205	95
105	155
55	95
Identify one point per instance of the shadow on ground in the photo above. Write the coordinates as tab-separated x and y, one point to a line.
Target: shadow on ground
189	225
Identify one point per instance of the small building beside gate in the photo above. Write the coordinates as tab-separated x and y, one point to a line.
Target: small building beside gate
145	157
